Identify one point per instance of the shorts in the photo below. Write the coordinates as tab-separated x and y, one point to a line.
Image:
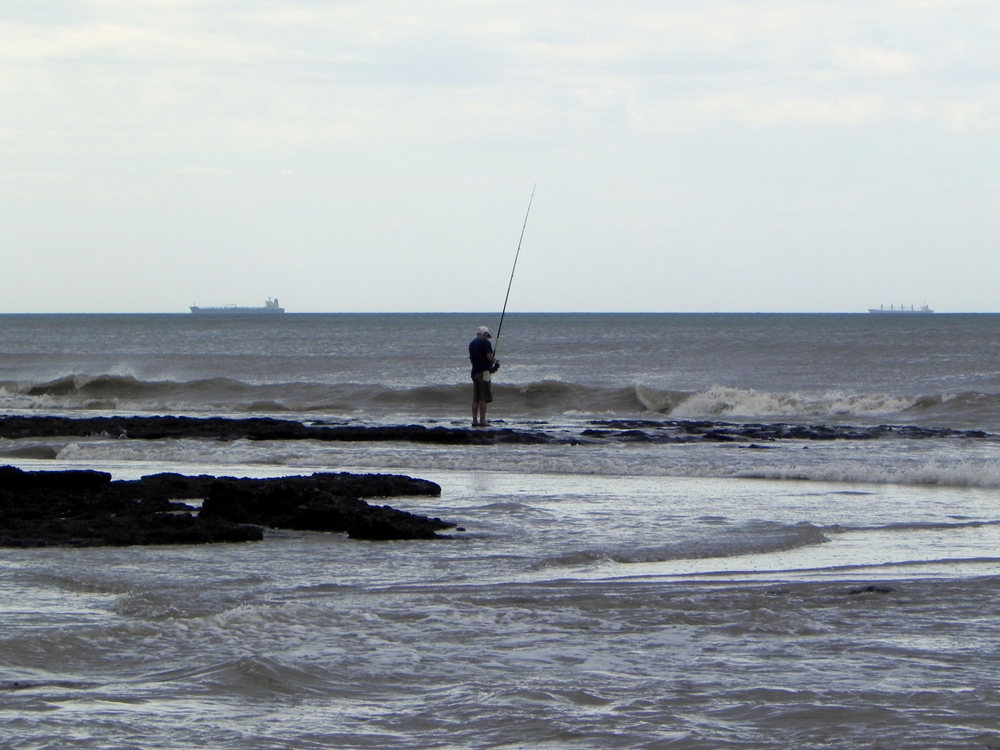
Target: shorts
481	393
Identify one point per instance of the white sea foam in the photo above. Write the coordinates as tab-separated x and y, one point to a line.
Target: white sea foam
720	401
950	474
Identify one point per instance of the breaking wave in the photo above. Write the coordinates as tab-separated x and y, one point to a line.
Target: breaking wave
126	392
760	537
540	399
917	526
984	473
735	402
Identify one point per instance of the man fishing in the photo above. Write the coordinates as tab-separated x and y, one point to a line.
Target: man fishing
483	366
481	353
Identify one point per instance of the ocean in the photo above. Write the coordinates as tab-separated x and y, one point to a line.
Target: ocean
746	531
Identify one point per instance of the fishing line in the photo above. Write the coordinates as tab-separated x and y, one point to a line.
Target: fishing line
496	341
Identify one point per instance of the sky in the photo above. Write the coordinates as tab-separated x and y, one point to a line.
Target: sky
720	155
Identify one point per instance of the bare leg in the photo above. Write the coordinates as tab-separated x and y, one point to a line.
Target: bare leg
482	413
475	413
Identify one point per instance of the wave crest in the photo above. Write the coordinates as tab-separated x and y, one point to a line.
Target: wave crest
543	399
759	537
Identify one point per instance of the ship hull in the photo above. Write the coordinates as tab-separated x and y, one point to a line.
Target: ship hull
893	310
237	310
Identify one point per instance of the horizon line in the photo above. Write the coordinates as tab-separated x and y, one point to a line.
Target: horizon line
480	312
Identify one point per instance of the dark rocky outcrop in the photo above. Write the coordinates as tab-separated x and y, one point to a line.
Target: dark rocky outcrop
872	590
598	431
253	428
687	431
87	508
324	502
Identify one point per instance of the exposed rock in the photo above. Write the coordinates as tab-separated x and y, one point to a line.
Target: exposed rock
599	431
324	502
254	428
872	590
86	508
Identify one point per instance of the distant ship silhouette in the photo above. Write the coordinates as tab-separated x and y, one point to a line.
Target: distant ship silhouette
902	309
270	307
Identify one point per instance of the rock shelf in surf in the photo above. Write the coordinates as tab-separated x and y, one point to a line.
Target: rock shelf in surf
87	508
598	431
253	428
729	432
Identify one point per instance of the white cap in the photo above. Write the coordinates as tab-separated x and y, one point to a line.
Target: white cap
483	330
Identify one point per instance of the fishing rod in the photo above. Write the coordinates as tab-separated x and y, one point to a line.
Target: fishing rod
496	341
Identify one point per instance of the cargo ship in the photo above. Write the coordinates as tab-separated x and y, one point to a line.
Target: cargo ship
901	310
271	307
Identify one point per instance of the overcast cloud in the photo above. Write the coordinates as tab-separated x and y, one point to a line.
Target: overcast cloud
690	156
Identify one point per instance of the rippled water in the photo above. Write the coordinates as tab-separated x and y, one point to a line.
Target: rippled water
936	369
798	593
574	611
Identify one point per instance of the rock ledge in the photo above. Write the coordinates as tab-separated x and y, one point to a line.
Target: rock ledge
87	508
